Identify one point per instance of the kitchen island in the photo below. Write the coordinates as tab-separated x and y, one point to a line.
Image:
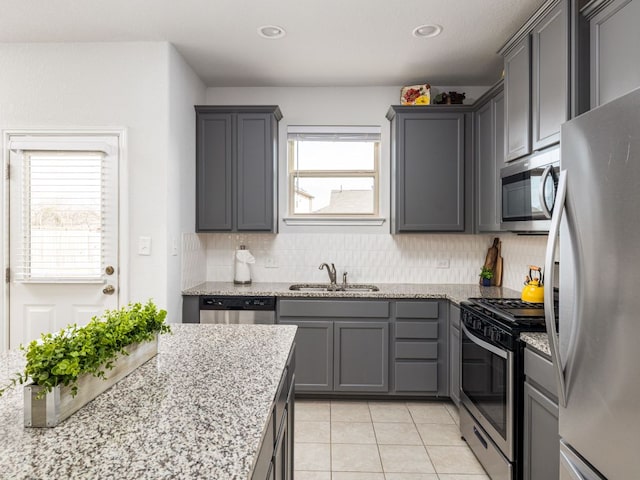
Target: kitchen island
199	409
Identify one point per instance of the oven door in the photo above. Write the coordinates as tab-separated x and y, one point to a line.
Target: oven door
487	388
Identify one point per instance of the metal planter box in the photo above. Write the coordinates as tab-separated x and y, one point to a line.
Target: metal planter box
58	404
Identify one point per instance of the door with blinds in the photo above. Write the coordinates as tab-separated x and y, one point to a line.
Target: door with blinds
63	221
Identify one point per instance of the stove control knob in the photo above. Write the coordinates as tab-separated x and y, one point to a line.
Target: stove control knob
496	335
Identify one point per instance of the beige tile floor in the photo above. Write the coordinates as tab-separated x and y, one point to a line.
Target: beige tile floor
360	440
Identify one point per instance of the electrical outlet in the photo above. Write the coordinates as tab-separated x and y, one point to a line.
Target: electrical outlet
270	262
442	263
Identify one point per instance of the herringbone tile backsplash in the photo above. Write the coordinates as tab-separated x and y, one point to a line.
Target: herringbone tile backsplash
370	258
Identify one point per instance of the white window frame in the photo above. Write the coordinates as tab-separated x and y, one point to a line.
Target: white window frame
372	218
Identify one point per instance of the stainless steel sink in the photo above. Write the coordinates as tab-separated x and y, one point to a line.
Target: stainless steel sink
326	287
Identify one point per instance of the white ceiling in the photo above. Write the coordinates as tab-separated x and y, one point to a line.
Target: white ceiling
328	42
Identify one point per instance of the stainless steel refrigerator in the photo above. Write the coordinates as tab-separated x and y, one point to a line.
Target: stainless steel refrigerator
597	350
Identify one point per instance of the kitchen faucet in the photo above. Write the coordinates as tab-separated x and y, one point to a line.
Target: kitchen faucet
331	270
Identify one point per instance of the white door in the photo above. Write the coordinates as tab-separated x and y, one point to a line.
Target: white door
63	224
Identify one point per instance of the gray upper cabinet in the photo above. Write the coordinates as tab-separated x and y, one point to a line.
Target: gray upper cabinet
489	156
517	88
550	77
536	82
428	169
615	56
236	165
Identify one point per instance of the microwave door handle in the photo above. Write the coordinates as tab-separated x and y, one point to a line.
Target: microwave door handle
481	343
549	306
543	181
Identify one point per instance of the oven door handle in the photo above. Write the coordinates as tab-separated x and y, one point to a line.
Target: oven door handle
486	345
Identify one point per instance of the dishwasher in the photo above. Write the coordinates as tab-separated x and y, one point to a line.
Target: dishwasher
236	310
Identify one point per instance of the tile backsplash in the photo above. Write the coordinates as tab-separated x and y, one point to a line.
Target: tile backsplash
370	258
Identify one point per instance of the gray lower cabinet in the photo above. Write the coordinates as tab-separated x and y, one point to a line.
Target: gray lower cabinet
541	447
420	346
489	156
361	357
428	159
275	455
236	165
615	57
314	340
454	353
381	347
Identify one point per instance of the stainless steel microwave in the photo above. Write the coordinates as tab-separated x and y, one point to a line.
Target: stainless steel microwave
528	192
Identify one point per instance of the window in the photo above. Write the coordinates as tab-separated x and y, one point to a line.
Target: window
62	215
333	171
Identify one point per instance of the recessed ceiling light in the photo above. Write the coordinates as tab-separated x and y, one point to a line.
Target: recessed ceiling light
271	31
427	30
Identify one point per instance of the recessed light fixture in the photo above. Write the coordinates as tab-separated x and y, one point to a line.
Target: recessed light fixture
271	31
428	30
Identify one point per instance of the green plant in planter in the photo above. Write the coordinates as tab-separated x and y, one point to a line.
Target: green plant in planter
486	273
59	359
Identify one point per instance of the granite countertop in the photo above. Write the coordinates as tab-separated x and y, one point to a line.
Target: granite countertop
454	292
196	410
538	340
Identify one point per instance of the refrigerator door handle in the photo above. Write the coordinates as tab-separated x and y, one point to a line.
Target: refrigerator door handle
543	181
549	306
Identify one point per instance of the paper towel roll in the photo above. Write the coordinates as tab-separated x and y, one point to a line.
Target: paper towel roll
243	259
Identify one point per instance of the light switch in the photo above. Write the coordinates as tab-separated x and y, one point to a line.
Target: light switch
144	245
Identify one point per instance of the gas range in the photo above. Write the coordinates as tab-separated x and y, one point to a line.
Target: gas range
501	320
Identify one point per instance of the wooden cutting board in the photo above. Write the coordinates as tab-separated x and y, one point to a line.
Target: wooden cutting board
497	272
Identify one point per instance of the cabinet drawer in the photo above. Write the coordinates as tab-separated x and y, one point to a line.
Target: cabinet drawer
417	309
417	350
333	309
416	377
540	370
417	330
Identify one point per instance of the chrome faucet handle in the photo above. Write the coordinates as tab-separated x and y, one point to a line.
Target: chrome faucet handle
344	278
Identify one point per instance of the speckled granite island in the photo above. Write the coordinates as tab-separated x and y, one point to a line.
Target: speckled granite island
199	409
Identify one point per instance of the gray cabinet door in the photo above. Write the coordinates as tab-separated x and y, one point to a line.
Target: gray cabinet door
362	357
517	88
214	172
541	460
429	172
314	355
550	76
454	354
255	172
615	56
489	159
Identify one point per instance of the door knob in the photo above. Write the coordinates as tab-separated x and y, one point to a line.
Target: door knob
108	290
109	270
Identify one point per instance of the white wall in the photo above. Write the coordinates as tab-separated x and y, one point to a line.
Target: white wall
185	90
144	87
